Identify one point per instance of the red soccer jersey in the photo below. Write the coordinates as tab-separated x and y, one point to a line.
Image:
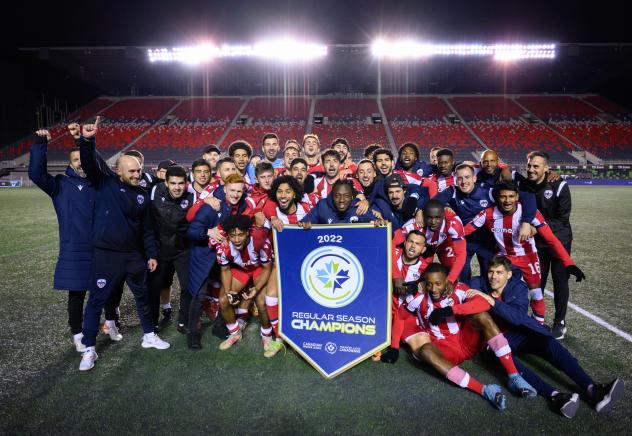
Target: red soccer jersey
416	179
323	188
271	209
505	229
256	253
460	304
443	182
408	272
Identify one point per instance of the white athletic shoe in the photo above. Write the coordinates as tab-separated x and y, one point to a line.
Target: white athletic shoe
87	360
152	340
112	332
76	339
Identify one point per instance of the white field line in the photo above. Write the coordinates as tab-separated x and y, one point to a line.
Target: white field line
596	319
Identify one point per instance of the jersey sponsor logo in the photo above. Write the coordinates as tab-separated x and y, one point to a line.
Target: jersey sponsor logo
501	230
484	203
184	204
101	283
332	276
140	199
548	194
143	183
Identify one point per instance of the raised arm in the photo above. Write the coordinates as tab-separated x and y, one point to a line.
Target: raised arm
93	165
38	163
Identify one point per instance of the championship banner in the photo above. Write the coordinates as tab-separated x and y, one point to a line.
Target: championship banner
334	293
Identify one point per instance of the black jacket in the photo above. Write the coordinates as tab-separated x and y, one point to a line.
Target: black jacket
554	202
169	218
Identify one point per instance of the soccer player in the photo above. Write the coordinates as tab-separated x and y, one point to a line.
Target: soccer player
73	197
433	155
347	167
244	258
258	194
444	336
401	203
241	153
201	171
291	151
383	160
124	244
444	176
205	232
467	199
170	202
506	293
146	180
311	150
408	267
369	150
490	171
332	166
211	155
408	160
554	201
225	167
298	170
503	220
444	233
339	207
270	148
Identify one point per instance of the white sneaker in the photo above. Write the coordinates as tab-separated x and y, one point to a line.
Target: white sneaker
112	332
87	360
152	340
76	339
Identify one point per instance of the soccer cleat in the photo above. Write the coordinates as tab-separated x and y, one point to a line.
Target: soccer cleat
166	318
559	329
266	341
87	360
76	339
604	395
274	348
519	386
566	404
232	340
494	395
112	332
390	356
152	340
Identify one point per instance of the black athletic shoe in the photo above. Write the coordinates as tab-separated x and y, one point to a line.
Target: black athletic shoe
181	328
194	341
566	404
219	328
166	318
605	395
559	329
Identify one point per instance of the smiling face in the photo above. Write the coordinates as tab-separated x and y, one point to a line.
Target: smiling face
507	201
384	164
240	156
211	158
536	169
342	196
465	180
74	160
285	196
234	191
201	175
445	163
436	284
270	148
176	186
289	155
489	162
365	174
407	157
226	168
396	195
343	150
299	171
498	277
128	170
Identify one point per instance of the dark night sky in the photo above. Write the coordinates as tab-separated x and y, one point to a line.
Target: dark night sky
176	22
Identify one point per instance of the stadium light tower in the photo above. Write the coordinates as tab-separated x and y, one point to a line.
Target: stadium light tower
284	50
407	49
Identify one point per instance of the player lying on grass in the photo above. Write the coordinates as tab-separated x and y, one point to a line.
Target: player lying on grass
506	293
244	258
444	336
504	221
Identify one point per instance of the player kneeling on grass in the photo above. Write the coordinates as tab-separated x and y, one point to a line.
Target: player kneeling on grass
444	336
245	268
506	293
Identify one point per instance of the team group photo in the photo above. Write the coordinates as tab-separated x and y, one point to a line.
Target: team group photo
357	223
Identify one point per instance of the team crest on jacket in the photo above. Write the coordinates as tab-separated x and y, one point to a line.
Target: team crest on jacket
143	183
140	199
548	194
483	203
354	219
184	204
101	283
420	172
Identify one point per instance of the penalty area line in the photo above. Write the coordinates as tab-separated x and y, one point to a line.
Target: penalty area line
596	319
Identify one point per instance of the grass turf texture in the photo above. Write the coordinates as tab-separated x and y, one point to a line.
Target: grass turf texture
132	390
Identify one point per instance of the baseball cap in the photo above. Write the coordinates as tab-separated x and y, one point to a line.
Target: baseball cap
163	165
